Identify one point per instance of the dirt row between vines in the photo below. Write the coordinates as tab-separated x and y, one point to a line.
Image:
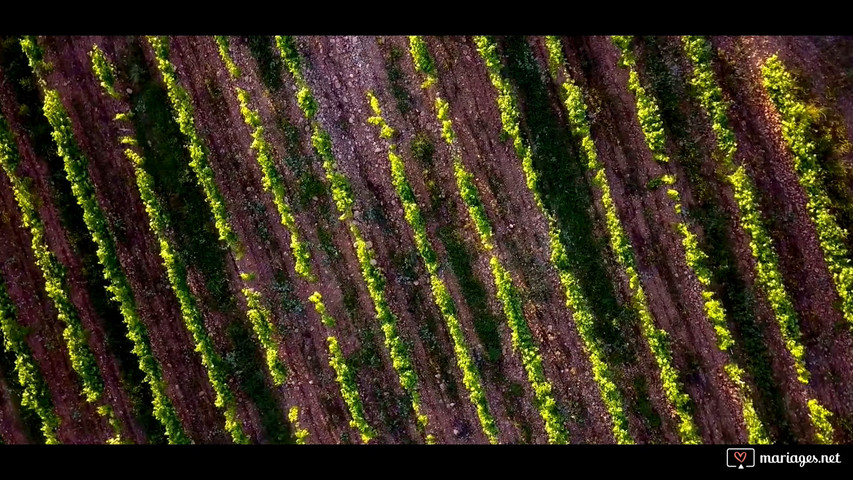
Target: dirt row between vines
11	426
35	312
378	384
311	382
464	84
112	175
337	71
828	343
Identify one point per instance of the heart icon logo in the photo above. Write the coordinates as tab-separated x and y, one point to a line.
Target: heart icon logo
740	456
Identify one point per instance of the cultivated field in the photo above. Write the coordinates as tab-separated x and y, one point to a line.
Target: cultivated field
426	240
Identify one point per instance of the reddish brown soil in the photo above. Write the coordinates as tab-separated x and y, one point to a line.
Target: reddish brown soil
518	222
25	284
452	214
343	112
311	384
340	70
11	427
765	153
274	107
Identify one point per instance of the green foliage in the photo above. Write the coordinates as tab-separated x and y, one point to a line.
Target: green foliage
35	55
104	71
82	360
796	130
442	111
272	183
259	317
248	369
222	45
648	111
258	314
36	395
343	197
471	197
754	427
290	55
470	374
317	299
423	60
385	131
523	342
575	299
768	275
183	111
346	378
300	433
820	419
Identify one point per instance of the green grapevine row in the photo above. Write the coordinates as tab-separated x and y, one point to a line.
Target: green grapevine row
796	125
82	360
36	395
222	45
76	170
158	221
271	179
301	434
621	245
349	390
258	315
272	182
184	116
104	71
768	276
343	197
470	375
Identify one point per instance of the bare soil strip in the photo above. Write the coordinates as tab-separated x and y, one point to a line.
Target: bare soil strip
433	181
12	430
345	74
311	384
645	215
344	294
829	349
79	423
